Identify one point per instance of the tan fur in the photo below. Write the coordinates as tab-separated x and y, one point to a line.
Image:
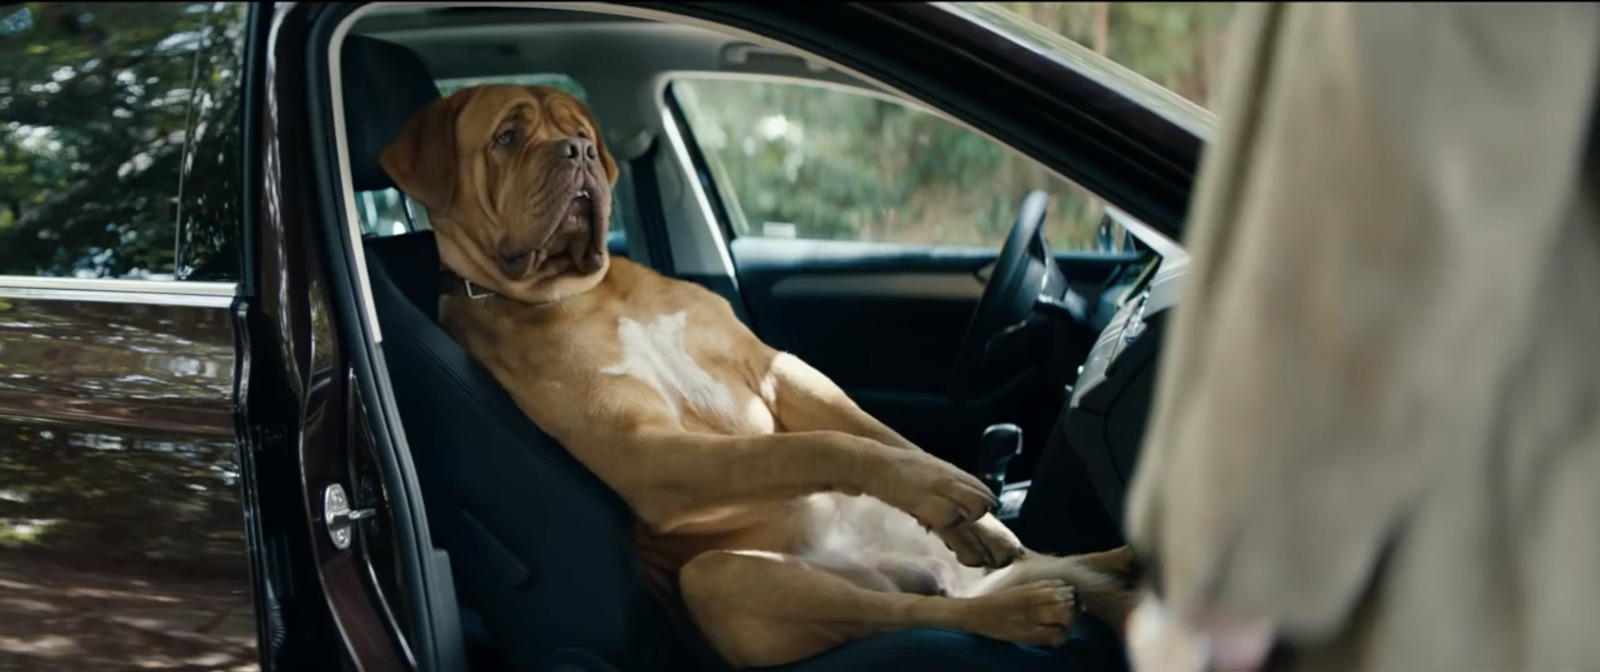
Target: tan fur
791	520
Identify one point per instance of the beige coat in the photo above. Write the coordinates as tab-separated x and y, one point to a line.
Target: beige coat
1379	418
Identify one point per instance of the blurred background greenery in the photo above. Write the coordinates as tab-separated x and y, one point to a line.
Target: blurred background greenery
1178	45
119	138
828	163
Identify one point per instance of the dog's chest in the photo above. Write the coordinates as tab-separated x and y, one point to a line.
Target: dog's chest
685	375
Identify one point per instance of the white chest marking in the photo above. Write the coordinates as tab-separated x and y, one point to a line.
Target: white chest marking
654	353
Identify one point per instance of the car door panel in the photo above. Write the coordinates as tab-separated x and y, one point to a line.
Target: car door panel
122	531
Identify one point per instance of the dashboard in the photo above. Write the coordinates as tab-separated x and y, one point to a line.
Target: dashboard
1131	311
1105	418
1101	428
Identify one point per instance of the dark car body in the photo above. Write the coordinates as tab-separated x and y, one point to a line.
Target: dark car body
167	443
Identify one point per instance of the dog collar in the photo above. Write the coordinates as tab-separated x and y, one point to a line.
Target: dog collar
450	283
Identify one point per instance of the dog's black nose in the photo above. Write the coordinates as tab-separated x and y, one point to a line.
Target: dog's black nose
577	149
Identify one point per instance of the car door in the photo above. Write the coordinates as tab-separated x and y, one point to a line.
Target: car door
122	531
860	228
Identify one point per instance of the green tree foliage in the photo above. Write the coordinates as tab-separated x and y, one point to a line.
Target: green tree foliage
841	164
105	110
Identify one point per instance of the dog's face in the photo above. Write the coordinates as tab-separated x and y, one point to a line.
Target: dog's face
517	183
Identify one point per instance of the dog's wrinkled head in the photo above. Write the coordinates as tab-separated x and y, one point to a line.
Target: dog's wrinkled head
517	183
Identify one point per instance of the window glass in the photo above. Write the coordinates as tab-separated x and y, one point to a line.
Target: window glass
797	159
119	139
383	213
1177	46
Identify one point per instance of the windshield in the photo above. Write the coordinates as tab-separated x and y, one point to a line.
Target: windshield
1164	54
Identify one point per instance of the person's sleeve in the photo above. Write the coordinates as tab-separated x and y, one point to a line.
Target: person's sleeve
1368	235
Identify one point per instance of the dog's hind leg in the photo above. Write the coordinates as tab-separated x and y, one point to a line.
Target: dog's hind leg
1101	579
759	609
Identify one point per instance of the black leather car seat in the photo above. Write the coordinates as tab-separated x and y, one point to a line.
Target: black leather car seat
541	548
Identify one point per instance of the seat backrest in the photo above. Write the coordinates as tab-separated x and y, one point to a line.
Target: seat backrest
385	85
541	548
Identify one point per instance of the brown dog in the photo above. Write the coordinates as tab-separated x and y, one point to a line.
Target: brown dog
791	520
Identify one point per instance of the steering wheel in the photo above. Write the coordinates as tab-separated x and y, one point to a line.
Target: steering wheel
1020	274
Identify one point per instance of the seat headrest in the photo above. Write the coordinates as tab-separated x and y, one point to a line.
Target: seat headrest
385	85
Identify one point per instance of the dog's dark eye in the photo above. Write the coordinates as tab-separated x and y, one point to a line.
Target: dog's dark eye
505	138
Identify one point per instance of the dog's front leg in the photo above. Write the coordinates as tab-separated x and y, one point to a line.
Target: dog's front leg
670	477
804	399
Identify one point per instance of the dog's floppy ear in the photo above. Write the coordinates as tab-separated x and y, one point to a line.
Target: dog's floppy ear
422	160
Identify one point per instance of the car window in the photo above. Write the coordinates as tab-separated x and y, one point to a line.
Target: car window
797	159
119	139
383	213
1165	54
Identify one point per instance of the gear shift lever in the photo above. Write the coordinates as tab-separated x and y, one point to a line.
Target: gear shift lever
999	444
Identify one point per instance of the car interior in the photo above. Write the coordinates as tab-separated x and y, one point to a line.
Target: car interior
1030	367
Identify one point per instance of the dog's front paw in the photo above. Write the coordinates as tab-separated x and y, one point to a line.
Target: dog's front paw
1032	613
985	542
935	492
